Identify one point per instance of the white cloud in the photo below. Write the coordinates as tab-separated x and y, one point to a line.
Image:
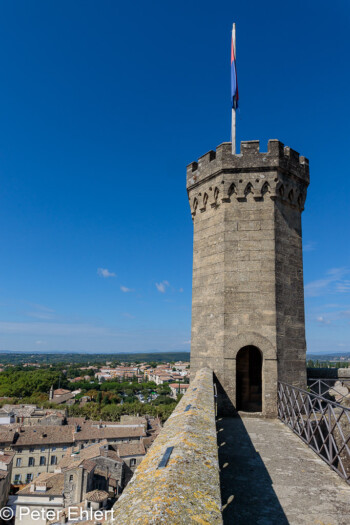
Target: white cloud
343	286
40	342
40	315
161	287
181	290
332	305
39	311
41	307
332	318
103	272
331	283
126	290
128	316
322	320
60	329
309	246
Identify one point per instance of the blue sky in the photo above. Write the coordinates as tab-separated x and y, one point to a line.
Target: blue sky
103	104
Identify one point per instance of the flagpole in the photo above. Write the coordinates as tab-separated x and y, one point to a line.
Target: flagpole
233	121
233	132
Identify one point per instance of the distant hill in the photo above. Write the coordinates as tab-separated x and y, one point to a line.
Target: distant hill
16	358
329	357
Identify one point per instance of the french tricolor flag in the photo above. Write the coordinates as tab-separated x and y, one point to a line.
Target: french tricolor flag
234	85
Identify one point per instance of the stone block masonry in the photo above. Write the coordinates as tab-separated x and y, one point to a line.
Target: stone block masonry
186	490
248	271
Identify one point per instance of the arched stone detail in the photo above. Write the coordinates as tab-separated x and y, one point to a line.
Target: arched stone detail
242	190
194	206
205	200
249	379
236	342
301	199
248	189
265	188
215	197
232	190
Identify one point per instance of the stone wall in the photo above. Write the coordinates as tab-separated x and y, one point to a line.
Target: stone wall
187	489
290	319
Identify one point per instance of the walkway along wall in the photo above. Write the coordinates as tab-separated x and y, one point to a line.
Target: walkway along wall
187	489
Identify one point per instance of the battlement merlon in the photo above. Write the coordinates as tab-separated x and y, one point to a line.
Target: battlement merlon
251	159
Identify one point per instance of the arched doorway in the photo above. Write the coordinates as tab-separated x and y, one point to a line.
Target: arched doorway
249	379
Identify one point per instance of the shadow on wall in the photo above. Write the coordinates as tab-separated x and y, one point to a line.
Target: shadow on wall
225	406
247	495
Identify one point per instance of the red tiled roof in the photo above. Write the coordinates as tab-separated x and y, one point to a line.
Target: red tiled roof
92	432
88	465
96	495
131	449
6	457
72	456
54	485
46	435
7	436
60	392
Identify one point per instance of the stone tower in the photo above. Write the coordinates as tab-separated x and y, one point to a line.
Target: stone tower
248	298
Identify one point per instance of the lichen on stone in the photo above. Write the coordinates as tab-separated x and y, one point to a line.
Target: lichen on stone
187	490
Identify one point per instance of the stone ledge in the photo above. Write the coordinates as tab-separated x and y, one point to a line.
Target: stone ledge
187	490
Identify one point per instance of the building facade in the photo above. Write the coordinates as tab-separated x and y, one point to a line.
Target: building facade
40	449
6	462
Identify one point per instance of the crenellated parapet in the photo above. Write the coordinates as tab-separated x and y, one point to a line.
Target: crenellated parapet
220	177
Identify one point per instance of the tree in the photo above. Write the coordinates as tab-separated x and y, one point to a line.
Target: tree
163	400
105	399
22	383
